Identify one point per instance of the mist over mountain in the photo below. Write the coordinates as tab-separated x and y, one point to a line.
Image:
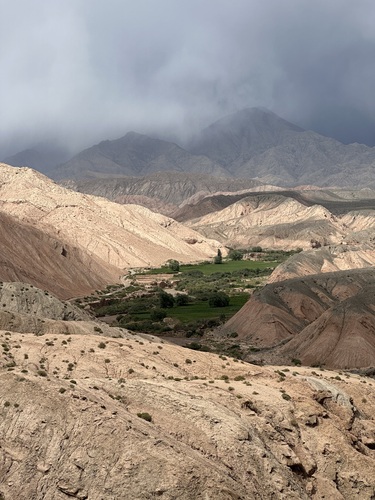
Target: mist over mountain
252	143
257	143
134	154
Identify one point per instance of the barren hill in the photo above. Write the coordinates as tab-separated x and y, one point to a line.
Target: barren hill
327	259
134	154
339	202
93	417
39	256
171	188
22	298
257	143
269	220
286	219
325	319
115	236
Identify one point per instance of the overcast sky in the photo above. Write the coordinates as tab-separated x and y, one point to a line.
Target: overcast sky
79	71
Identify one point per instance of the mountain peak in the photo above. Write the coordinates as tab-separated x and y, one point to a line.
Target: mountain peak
242	134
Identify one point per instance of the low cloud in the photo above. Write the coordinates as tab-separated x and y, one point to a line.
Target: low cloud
79	71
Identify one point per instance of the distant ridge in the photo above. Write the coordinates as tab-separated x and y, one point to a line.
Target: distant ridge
134	154
259	144
252	143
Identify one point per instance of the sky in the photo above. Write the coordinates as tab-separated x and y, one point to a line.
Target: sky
74	72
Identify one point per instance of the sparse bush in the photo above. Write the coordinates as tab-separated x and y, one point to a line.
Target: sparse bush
146	416
173	265
182	299
166	300
235	255
218	299
157	314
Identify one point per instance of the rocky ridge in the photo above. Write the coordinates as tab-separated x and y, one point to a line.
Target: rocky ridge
257	143
134	154
171	188
87	416
276	220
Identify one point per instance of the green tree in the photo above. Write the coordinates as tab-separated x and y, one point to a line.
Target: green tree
218	299
235	255
219	258
181	299
166	300
173	265
157	314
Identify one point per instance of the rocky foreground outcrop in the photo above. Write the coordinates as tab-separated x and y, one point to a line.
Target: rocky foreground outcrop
93	417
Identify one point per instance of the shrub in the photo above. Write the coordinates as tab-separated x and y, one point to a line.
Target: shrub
145	416
218	299
235	255
182	299
296	362
166	300
173	265
157	314
102	345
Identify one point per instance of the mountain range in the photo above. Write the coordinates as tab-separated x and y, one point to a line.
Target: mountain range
251	143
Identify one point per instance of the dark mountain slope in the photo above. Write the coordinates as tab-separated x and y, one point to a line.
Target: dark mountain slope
257	143
134	154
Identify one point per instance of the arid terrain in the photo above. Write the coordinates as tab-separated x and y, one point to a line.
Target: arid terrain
93	411
92	228
282	219
326	319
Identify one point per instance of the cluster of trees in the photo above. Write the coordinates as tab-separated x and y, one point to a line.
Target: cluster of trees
166	301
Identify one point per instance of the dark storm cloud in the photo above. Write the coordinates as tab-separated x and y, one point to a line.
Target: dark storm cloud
79	71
